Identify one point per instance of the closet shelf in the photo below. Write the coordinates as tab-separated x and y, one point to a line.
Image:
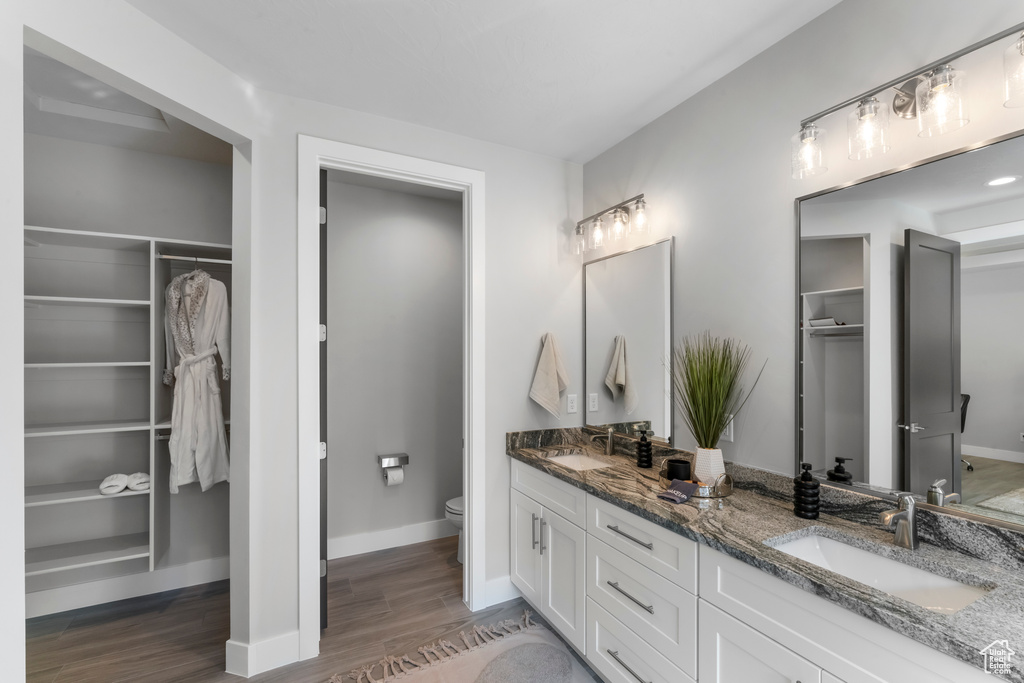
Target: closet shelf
64	556
854	330
843	290
31	299
104	364
71	428
72	492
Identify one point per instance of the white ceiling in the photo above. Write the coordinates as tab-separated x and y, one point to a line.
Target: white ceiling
567	78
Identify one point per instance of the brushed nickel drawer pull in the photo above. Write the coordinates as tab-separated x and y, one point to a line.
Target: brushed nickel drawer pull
649	546
533	530
615	585
542	546
615	654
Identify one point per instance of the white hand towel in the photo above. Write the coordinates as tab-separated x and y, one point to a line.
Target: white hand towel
115	483
138	481
618	378
551	378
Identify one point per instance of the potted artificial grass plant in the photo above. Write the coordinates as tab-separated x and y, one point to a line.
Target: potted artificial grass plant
706	379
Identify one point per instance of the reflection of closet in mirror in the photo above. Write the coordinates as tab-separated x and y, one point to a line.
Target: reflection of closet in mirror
833	353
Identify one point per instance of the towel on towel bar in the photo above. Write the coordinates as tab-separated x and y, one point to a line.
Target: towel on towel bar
618	378
551	379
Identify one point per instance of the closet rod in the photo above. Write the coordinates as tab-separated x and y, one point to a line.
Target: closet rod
193	259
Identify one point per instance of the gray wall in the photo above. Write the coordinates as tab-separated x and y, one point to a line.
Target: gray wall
395	360
716	174
992	360
81	186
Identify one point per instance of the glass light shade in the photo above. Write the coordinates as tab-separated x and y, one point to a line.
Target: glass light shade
868	128
596	234
579	241
808	155
619	222
1013	73
942	102
639	225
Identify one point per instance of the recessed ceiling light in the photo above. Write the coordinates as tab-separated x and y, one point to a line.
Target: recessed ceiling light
1005	180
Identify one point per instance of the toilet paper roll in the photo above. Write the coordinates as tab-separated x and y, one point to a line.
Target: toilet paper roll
393	476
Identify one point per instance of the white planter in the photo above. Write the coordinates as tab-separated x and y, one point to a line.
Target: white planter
708	465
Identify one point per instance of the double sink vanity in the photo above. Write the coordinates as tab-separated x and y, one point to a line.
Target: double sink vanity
738	588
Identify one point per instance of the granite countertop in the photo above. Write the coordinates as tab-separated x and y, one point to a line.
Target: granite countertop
740	524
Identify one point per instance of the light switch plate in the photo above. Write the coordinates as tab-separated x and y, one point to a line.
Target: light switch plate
727	433
571	404
592	406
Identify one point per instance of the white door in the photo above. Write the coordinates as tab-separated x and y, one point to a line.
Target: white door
732	652
563	553
526	566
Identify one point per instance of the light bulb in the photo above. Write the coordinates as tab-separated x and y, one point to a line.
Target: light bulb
1013	73
942	102
868	129
639	224
619	225
579	241
808	156
596	234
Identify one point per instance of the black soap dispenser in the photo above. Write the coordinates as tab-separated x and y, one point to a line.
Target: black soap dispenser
805	494
839	473
644	451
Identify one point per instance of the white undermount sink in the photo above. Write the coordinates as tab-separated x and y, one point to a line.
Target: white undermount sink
933	592
579	462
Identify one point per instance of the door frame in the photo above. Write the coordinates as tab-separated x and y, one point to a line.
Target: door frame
316	153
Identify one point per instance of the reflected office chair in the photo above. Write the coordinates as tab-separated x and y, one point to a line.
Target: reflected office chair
964	400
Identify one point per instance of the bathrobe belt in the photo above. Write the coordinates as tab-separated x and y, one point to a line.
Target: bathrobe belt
194	365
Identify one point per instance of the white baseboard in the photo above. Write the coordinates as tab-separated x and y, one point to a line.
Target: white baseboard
64	598
994	453
500	590
250	659
357	544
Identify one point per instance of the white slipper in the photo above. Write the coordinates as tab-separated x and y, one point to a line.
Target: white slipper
115	483
138	481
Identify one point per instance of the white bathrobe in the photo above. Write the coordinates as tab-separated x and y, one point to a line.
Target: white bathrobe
197	326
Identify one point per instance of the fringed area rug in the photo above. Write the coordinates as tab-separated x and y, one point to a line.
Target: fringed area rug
513	651
1008	502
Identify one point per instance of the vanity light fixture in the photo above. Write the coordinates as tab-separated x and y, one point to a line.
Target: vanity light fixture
1013	73
621	224
1005	180
808	155
935	95
868	128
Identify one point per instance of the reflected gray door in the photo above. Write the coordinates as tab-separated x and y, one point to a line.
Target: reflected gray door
931	348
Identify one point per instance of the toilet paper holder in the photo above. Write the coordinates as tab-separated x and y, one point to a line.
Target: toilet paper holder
394	460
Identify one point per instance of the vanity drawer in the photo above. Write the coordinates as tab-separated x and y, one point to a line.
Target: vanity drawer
554	494
660	612
669	554
621	656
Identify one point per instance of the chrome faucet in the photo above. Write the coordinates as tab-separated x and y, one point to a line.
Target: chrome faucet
936	496
609	448
906	520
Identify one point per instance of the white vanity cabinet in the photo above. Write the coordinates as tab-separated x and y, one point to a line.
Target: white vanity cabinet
548	551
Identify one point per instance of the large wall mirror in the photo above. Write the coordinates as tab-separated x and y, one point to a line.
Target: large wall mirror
627	304
911	342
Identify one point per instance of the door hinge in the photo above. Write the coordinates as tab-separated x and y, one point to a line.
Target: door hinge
323	333
323	450
323	215
323	568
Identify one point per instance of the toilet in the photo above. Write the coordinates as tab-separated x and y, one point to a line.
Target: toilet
453	513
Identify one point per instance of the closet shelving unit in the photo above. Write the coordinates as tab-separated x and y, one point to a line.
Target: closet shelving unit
94	400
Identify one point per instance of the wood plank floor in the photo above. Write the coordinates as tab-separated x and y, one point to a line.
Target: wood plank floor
387	602
990	478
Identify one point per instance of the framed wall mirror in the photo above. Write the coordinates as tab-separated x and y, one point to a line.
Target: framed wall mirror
911	343
627	337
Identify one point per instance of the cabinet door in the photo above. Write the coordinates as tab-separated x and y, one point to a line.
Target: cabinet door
526	566
563	553
826	677
732	652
